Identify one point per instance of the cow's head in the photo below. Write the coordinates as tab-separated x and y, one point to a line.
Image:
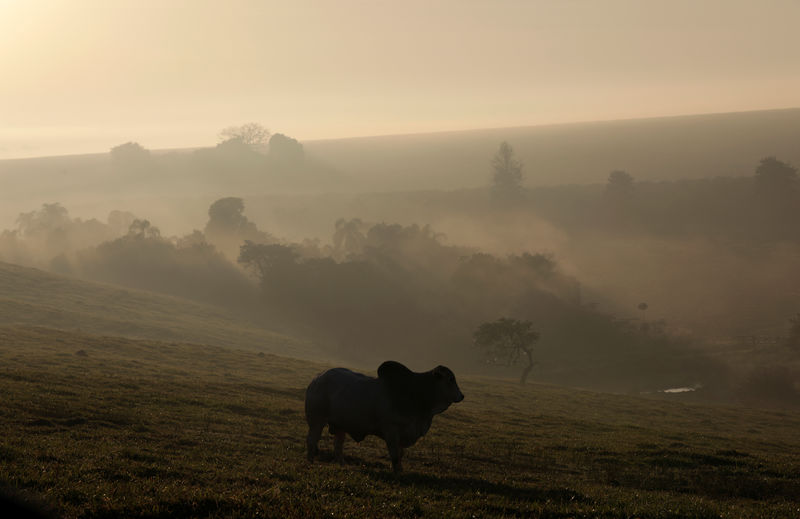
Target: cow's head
432	391
446	389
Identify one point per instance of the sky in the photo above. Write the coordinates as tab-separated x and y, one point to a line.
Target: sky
81	75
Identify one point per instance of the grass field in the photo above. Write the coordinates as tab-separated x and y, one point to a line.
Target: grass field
32	297
114	427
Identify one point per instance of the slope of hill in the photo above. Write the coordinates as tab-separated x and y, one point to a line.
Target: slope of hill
33	297
140	428
665	148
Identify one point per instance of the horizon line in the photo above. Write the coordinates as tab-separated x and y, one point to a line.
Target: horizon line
435	132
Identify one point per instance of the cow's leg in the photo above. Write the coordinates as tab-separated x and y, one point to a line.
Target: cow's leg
314	434
338	445
395	451
400	454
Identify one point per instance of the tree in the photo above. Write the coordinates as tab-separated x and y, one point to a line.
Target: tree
226	217
620	186
285	149
251	134
234	148
643	307
131	156
267	261
228	227
507	176
505	340
50	217
143	230
794	332
348	238
775	179
777	202
226	214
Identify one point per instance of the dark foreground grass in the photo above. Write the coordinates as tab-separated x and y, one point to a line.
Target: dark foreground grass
105	427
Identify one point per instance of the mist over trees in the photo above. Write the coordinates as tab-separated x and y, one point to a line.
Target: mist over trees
132	252
188	267
412	275
43	234
401	291
760	208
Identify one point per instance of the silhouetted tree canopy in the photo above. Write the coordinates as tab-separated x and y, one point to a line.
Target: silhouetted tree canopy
228	227
234	148
777	200
619	186
131	156
143	230
505	340
266	260
775	178
285	149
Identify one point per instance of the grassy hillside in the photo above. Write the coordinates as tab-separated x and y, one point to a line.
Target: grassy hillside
112	427
33	297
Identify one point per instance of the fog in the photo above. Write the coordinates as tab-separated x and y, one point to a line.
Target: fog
632	285
622	177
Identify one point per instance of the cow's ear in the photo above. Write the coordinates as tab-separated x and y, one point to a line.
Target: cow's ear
438	372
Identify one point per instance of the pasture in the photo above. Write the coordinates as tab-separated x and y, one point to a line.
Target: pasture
101	426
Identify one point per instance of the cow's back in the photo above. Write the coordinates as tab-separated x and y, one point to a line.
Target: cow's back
345	400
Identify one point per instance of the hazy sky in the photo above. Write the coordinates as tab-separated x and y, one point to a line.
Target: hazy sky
81	75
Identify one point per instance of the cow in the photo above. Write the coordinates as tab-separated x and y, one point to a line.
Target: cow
397	406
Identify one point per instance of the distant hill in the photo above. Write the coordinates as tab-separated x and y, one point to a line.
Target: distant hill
175	193
33	297
665	148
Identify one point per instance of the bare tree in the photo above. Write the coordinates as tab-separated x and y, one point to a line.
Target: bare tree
251	134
